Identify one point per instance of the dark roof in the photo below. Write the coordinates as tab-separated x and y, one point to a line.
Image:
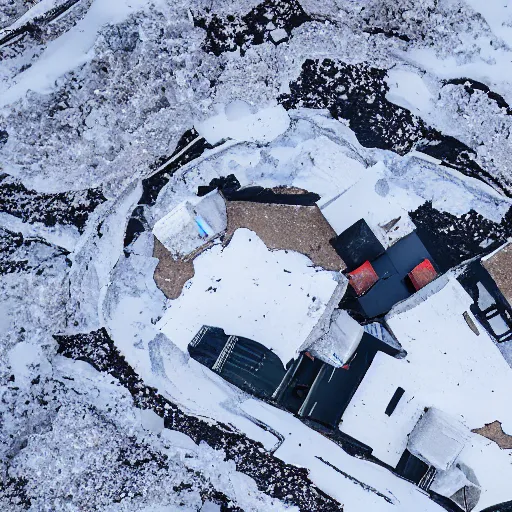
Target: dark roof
393	285
245	363
333	388
411	468
232	191
357	244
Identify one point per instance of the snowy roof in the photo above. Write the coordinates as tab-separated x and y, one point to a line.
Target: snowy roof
437	439
448	367
459	484
499	266
192	223
276	298
377	210
338	345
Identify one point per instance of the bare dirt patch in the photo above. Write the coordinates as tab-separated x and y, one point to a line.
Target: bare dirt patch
288	227
494	432
170	274
285	227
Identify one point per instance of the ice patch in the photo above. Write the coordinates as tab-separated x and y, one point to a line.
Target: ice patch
408	90
237	123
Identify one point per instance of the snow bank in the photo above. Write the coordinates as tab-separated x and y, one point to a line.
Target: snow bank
407	89
236	121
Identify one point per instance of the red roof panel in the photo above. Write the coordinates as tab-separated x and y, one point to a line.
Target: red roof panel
363	278
422	274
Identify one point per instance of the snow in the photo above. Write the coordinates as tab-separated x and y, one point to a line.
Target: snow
71	50
151	421
62	236
498	15
437	439
278	35
485	299
448	367
236	122
498	325
270	147
24	357
407	89
491	67
273	297
304	447
361	201
41	7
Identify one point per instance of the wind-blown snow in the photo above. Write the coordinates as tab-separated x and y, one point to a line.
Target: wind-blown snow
238	123
408	90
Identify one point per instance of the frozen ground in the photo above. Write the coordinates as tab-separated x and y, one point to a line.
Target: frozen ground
95	101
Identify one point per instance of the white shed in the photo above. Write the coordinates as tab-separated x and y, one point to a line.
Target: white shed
338	345
437	439
192	224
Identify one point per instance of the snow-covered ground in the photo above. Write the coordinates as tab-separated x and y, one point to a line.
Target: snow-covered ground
95	99
274	297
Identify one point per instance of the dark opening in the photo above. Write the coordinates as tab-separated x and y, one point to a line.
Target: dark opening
399	393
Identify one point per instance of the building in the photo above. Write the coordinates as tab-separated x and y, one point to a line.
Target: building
431	459
245	363
488	282
379	277
192	224
450	368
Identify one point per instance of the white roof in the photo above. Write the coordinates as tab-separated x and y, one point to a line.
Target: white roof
273	297
338	345
448	367
192	223
355	203
437	439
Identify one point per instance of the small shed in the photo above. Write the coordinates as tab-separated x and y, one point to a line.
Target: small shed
437	439
191	224
338	345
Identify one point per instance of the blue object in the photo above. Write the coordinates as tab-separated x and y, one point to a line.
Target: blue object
204	228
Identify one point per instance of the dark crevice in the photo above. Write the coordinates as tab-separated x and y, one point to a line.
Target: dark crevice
68	208
452	240
232	32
